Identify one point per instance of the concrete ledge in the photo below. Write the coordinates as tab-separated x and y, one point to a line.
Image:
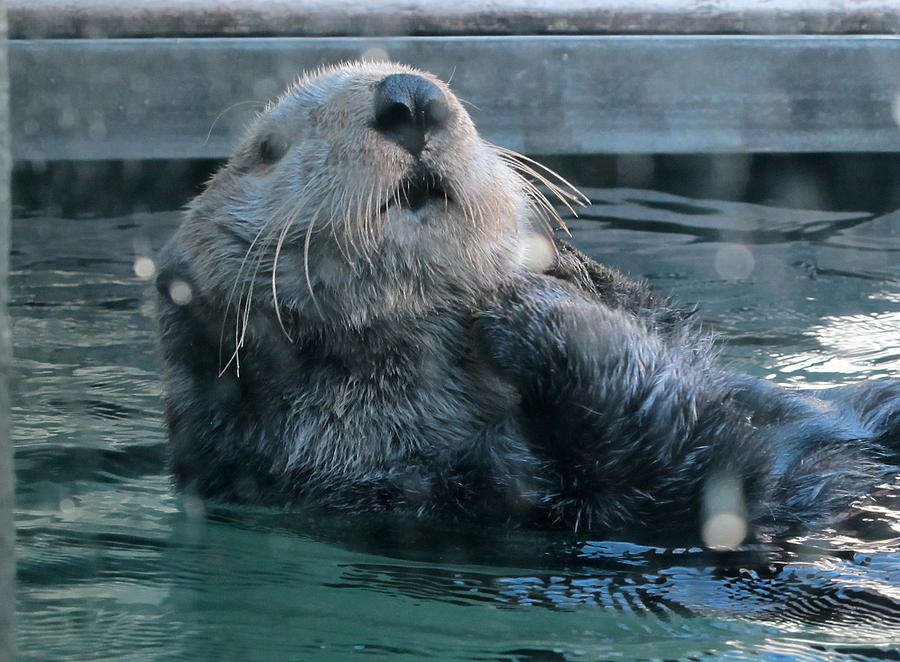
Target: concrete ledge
33	19
170	98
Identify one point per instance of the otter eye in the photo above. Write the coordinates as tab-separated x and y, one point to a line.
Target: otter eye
271	149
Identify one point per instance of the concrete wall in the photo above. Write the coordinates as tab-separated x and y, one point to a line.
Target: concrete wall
189	98
35	19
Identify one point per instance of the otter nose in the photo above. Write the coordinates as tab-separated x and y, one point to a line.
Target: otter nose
407	107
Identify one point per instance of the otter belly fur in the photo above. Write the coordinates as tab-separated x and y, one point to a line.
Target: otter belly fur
352	318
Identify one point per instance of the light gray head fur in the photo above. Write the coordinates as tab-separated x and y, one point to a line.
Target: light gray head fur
299	221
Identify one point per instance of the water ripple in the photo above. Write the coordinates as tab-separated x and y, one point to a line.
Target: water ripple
114	565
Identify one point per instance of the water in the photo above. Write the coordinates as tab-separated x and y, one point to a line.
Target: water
113	565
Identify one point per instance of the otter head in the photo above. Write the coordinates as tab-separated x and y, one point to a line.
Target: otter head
363	193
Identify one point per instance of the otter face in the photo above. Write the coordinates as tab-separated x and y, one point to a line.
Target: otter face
363	192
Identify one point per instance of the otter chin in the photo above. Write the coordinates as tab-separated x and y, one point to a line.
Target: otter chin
378	319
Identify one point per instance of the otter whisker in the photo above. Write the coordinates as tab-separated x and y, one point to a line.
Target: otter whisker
465	203
341	246
493	208
350	225
231	295
369	241
561	195
573	193
306	244
463	200
363	225
379	206
306	275
242	319
355	219
539	193
536	194
288	223
396	196
341	203
246	296
380	199
228	109
542	204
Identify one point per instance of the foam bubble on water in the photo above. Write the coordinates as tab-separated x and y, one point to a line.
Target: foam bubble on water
180	292
144	268
734	261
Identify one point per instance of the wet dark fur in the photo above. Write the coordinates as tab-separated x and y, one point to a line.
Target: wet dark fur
367	333
588	402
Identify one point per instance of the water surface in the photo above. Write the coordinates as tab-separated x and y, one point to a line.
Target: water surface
113	565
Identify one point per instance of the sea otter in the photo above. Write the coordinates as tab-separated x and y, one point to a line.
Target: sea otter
354	317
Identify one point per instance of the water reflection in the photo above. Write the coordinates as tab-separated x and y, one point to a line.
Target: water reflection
860	345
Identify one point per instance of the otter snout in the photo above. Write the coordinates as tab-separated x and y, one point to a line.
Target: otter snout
407	107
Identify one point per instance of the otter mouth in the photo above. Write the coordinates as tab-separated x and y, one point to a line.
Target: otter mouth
413	192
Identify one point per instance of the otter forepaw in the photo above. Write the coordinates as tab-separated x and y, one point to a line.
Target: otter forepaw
524	324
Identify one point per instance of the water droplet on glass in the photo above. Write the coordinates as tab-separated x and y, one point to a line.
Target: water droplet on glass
537	252
144	268
180	292
724	521
734	262
375	53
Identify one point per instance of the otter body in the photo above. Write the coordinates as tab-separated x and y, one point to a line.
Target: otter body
352	318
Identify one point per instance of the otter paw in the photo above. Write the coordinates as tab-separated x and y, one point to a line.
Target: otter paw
522	326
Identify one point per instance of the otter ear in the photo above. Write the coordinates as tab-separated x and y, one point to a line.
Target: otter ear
271	148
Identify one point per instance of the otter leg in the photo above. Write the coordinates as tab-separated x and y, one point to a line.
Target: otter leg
873	405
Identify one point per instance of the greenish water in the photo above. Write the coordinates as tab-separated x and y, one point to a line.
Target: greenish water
113	565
